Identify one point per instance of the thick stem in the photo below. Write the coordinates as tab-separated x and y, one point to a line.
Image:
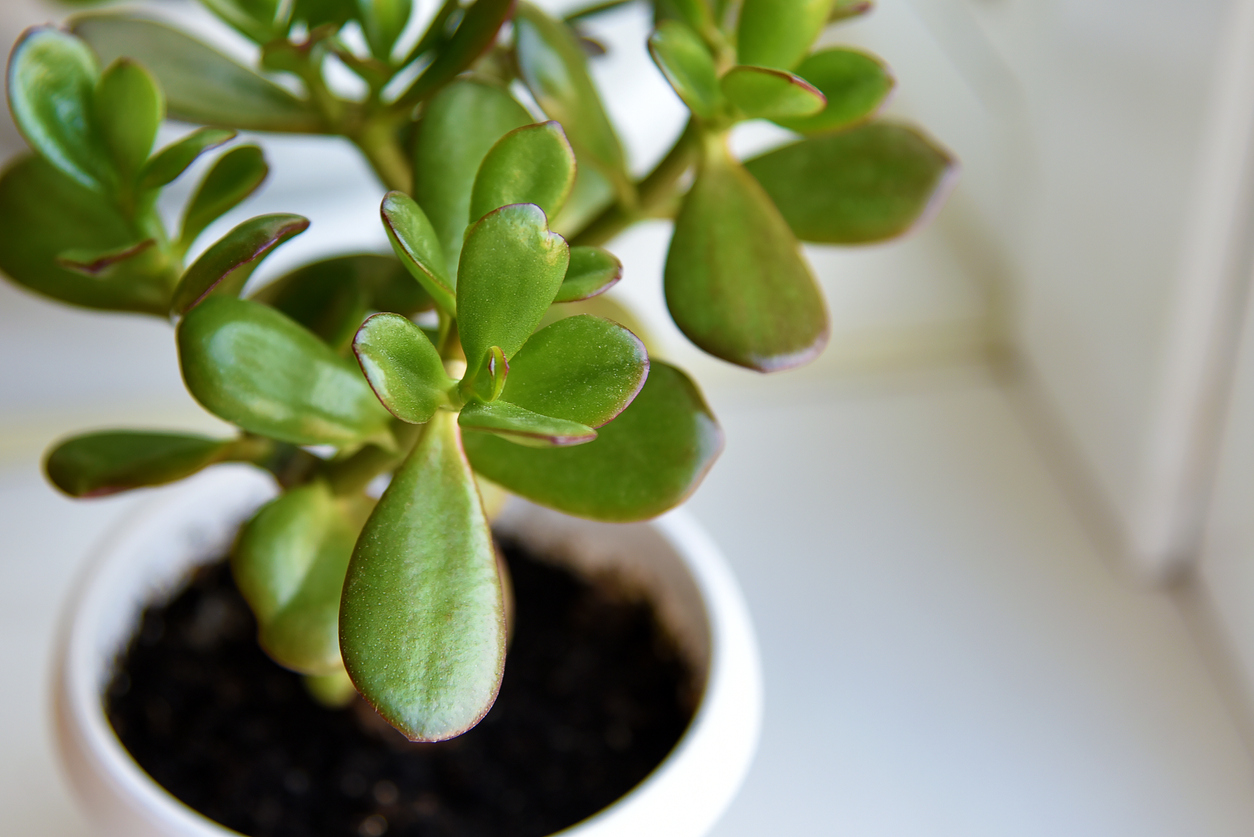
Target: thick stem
377	141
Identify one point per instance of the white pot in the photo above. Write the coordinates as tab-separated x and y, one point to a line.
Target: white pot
147	557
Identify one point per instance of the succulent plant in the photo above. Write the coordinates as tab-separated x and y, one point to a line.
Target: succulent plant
456	366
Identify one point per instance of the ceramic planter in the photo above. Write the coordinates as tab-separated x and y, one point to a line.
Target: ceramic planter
670	558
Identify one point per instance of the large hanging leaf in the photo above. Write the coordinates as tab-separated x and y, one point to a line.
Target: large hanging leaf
644	462
403	368
778	33
96	464
533	164
422	626
870	183
735	281
460	125
47	215
225	267
248	364
854	83
201	84
52	84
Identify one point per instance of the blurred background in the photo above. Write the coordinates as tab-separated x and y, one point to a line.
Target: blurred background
998	540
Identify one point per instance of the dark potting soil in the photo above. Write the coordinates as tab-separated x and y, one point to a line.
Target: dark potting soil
594	697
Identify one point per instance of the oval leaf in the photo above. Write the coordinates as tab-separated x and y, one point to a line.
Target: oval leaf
48	216
645	462
226	266
582	368
252	366
382	23
403	368
236	175
592	271
415	242
735	282
771	94
473	36
52	81
779	33
460	125
201	84
290	564
686	62
422	625
555	70
855	85
128	108
522	426
870	183
510	271
176	157
96	464
533	164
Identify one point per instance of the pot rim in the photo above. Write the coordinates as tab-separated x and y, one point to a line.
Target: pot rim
684	795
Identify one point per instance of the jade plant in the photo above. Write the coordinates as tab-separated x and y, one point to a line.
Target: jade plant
460	364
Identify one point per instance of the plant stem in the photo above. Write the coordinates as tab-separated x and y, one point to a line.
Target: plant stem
377	141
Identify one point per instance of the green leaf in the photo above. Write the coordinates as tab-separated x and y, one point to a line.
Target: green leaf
315	13
695	13
52	80
522	426
645	462
854	83
591	195
845	9
870	183
779	33
252	366
96	464
584	369
460	125
290	564
236	175
128	109
201	84
510	271
735	282
476	32
171	161
533	164
592	271
555	70
47	215
402	367
416	244
437	31
103	263
227	264
686	62
771	94
422	626
486	382
382	23
254	19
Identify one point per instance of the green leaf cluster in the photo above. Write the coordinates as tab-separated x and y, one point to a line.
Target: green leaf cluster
479	347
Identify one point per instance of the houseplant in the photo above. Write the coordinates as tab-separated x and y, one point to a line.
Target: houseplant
568	411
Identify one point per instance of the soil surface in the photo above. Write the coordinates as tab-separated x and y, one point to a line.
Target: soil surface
594	697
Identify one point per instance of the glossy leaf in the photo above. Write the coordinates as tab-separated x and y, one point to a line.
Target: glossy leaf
96	464
171	161
735	282
236	175
382	23
417	245
128	108
47	215
510	271
478	29
227	264
290	564
646	461
52	82
522	426
695	13
403	368
779	33
201	84
591	195
686	62
592	271
533	164
460	125
250	365
422	625
103	263
486	382
870	183
555	70
854	83
771	94
583	369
